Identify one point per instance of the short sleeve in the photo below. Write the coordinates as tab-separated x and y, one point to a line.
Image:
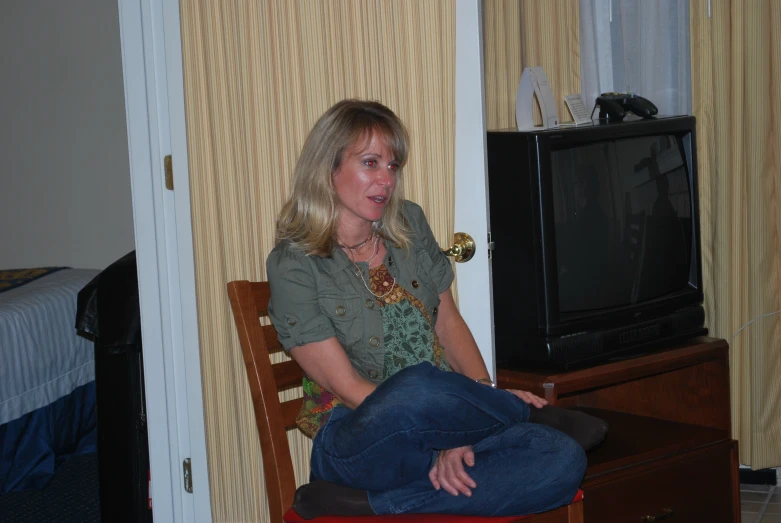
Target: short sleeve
441	270
294	308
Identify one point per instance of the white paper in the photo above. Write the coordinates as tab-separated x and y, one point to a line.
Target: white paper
578	110
535	81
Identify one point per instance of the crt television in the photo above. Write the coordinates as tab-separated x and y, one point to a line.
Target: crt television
595	241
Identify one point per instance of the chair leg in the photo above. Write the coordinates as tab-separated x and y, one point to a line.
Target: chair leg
575	512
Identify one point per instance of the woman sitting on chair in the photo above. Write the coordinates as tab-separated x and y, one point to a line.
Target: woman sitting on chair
404	416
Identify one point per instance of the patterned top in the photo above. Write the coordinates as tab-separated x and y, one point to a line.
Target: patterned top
406	327
409	339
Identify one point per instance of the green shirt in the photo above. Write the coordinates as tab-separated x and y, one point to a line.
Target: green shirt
314	298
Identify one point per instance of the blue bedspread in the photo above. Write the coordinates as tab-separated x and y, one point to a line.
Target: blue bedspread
31	447
47	376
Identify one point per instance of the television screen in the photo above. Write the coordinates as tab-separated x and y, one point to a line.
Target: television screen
622	221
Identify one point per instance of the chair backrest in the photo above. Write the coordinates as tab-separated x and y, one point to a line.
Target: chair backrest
249	301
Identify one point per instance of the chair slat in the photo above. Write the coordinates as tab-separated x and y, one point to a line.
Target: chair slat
287	374
261	294
290	411
272	340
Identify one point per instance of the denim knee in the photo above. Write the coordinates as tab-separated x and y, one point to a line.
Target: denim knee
564	471
411	376
571	465
421	385
424	391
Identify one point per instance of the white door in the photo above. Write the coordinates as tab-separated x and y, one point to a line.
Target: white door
471	214
154	105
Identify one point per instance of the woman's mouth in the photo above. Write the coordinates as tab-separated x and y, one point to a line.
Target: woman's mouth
378	199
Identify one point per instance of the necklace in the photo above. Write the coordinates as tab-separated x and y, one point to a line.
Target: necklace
357	245
359	271
368	260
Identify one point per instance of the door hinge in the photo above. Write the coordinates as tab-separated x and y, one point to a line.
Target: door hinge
168	165
188	475
490	244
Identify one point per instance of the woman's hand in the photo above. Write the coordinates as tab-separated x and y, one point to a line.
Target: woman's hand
529	398
448	471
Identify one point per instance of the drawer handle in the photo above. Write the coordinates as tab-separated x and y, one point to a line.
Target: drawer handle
666	514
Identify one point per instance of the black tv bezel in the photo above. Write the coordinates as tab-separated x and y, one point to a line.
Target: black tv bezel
551	322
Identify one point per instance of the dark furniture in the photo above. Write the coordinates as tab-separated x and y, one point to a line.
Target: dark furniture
109	312
668	455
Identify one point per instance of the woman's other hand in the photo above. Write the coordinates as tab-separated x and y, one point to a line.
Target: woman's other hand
530	398
448	472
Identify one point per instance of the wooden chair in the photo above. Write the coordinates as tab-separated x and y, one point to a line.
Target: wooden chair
249	301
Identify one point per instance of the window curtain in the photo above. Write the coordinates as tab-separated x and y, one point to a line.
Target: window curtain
736	87
528	33
637	46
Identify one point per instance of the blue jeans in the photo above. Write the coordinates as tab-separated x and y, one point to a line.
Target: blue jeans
390	442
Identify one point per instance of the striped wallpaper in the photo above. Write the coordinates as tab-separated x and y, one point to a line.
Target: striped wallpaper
257	76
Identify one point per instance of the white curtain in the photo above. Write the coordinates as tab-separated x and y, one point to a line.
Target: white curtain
638	46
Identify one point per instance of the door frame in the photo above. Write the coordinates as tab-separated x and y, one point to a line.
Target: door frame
471	199
154	106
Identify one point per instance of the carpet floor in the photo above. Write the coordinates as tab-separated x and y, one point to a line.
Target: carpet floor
71	496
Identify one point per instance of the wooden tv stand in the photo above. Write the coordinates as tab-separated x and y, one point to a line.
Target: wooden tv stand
668	454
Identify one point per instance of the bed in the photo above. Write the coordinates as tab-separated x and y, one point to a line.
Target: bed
47	375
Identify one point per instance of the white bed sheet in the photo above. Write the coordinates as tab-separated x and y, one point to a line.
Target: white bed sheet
42	358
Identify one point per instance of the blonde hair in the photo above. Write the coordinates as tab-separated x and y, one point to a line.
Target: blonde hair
310	217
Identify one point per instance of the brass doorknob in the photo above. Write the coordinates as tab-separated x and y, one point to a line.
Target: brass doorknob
463	247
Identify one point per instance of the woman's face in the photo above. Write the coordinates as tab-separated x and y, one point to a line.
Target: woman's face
364	183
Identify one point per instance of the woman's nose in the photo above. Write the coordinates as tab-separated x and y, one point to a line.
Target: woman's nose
385	177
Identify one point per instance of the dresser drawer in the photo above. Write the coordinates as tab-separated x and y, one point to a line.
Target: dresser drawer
690	487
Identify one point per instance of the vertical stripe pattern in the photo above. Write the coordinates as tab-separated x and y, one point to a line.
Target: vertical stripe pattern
551	39
503	61
736	86
529	33
42	358
257	75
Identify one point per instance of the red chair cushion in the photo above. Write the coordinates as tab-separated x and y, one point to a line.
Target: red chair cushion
292	517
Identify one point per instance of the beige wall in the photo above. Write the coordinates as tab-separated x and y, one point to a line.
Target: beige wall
64	172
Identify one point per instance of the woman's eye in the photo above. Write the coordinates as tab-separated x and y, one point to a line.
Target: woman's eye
371	163
393	167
